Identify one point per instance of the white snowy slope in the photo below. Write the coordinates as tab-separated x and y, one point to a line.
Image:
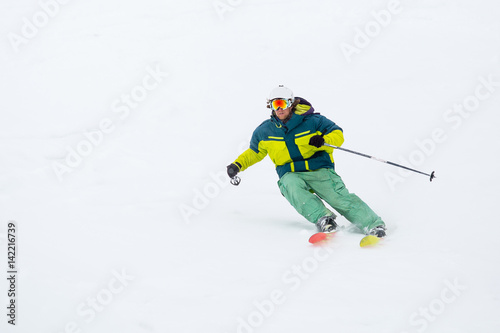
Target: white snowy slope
118	118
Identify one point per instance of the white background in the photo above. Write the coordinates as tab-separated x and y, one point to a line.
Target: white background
149	198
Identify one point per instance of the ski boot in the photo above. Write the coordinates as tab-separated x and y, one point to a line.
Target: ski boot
327	224
378	231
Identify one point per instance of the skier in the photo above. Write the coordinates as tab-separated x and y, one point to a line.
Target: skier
294	137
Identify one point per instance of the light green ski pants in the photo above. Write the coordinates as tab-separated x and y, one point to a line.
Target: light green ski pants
327	186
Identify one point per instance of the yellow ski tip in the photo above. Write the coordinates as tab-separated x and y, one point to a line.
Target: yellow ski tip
369	241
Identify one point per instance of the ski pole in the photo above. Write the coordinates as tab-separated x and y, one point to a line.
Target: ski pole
432	176
235	180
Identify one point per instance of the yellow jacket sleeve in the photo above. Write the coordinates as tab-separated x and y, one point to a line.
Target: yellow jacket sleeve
249	158
335	138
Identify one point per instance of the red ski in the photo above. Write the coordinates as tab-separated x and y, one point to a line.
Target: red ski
320	237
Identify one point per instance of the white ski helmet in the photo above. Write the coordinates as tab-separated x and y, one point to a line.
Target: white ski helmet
281	92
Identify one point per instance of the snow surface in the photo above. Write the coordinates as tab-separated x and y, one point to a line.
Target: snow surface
149	201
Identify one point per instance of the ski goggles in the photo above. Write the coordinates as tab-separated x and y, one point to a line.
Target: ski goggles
279	103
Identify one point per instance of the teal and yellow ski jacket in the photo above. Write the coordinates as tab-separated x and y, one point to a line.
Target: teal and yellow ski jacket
288	143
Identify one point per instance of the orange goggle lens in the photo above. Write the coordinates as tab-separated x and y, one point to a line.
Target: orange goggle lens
279	103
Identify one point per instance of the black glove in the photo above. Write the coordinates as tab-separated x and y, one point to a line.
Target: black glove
233	169
317	141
